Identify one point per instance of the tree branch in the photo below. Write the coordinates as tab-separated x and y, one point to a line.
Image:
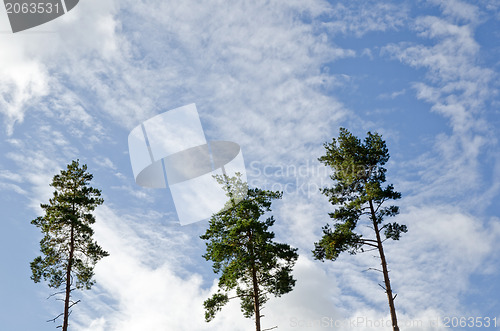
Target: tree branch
61	292
380	204
73	303
55	318
50	296
374	269
369	250
362	241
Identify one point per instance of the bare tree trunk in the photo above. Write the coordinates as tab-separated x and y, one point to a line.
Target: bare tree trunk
256	303
387	282
68	280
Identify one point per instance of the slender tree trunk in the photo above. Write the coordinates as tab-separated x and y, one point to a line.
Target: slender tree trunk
256	303
68	279
387	282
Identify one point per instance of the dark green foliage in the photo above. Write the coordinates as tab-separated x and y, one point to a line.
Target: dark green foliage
242	250
358	176
69	253
214	304
394	230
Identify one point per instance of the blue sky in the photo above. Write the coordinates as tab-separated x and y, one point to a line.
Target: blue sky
279	78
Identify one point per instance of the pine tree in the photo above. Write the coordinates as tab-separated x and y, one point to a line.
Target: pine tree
242	249
69	252
358	176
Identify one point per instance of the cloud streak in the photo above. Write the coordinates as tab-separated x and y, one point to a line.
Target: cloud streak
255	71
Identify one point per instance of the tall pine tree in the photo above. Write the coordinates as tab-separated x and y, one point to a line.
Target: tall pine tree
69	253
242	249
358	174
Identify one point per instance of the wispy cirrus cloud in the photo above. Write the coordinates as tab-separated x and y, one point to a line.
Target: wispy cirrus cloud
459	10
348	17
235	73
255	71
458	88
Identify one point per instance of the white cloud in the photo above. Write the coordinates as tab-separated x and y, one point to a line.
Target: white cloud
458	10
392	95
141	290
458	89
9	181
12	187
350	17
255	73
135	290
9	175
440	242
240	68
23	82
36	169
27	65
105	162
135	192
143	282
